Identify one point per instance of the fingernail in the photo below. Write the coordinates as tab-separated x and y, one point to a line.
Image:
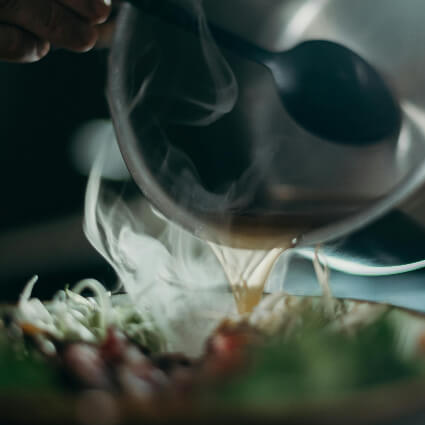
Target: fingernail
38	51
87	38
43	48
101	10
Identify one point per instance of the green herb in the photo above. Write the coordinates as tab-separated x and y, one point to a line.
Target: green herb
317	363
22	370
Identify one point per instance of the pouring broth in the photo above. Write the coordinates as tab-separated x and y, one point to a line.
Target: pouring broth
248	259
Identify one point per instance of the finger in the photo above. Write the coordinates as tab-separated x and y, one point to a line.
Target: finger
95	11
17	45
49	20
106	33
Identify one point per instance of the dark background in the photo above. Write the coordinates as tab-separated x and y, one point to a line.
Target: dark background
42	193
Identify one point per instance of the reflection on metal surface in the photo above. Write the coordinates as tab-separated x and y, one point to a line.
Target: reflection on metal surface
416	113
404	147
405	290
356	267
301	21
392	245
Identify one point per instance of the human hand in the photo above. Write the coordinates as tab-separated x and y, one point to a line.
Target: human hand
28	28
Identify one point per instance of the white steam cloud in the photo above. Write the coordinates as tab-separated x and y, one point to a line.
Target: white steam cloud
164	269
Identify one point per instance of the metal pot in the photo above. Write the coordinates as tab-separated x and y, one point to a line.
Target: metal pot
232	166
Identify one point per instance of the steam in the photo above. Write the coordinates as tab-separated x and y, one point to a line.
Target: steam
224	88
179	79
205	89
164	269
179	82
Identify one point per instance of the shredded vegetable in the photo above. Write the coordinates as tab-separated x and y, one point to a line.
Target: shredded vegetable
69	316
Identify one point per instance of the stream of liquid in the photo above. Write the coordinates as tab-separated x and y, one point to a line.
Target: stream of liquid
247	270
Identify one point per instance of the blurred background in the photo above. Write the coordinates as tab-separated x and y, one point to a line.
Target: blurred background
48	111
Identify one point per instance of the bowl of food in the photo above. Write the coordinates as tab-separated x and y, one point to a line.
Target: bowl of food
293	360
